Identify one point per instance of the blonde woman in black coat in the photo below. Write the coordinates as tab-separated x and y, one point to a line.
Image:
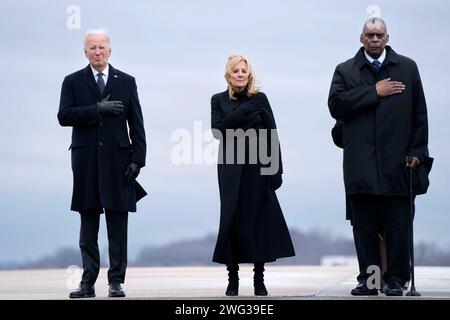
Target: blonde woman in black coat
252	227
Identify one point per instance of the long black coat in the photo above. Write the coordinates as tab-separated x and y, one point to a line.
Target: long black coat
252	226
379	133
101	148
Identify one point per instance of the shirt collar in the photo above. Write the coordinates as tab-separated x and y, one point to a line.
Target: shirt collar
381	58
105	71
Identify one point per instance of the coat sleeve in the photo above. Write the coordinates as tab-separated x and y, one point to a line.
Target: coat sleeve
70	114
337	133
270	124
418	146
220	123
344	102
136	125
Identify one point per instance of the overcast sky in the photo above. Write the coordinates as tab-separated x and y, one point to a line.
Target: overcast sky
177	51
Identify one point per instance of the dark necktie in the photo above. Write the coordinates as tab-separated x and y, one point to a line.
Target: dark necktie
100	82
376	64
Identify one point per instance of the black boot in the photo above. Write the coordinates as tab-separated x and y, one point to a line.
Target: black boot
258	279
233	280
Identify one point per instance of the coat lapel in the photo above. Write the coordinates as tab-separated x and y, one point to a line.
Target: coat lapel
88	78
391	57
113	78
360	59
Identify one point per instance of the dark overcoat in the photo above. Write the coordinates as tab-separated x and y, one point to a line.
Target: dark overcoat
252	227
101	147
378	133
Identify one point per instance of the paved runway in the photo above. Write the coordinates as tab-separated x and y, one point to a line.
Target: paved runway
283	282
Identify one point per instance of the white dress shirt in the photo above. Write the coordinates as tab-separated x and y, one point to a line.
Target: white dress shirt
105	73
381	58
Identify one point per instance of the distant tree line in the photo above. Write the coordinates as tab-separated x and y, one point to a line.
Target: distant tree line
310	246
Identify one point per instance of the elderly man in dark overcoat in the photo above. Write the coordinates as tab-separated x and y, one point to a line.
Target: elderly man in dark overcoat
379	96
101	105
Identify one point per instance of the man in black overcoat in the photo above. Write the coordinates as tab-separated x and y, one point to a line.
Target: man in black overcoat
379	96
100	103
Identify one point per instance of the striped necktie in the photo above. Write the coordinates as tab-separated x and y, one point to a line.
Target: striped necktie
376	64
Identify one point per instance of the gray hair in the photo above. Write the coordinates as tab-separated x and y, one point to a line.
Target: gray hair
374	20
97	32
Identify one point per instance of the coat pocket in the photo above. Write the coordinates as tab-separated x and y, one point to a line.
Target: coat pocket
75	145
122	154
124	143
420	176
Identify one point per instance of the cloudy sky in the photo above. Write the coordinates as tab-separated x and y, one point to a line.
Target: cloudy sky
177	51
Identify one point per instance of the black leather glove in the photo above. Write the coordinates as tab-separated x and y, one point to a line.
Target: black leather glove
110	107
254	105
276	180
132	172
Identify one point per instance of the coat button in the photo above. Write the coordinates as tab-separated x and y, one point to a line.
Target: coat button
100	144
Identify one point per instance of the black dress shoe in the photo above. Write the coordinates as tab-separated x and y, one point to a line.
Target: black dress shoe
394	289
362	290
115	290
84	291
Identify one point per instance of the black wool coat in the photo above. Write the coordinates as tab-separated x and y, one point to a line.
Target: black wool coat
252	227
379	133
101	147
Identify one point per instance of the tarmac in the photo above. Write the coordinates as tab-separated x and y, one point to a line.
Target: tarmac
209	283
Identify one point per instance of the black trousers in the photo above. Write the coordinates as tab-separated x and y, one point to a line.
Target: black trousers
371	214
117	225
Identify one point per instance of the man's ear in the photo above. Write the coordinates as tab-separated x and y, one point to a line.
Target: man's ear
361	38
387	38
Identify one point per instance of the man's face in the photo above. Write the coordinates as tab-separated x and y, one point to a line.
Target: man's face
374	38
97	51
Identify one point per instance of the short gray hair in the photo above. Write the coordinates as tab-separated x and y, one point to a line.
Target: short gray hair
97	32
374	20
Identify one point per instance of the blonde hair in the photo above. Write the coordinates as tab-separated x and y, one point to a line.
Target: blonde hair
233	60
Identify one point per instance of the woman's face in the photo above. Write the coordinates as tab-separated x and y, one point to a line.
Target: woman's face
238	78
